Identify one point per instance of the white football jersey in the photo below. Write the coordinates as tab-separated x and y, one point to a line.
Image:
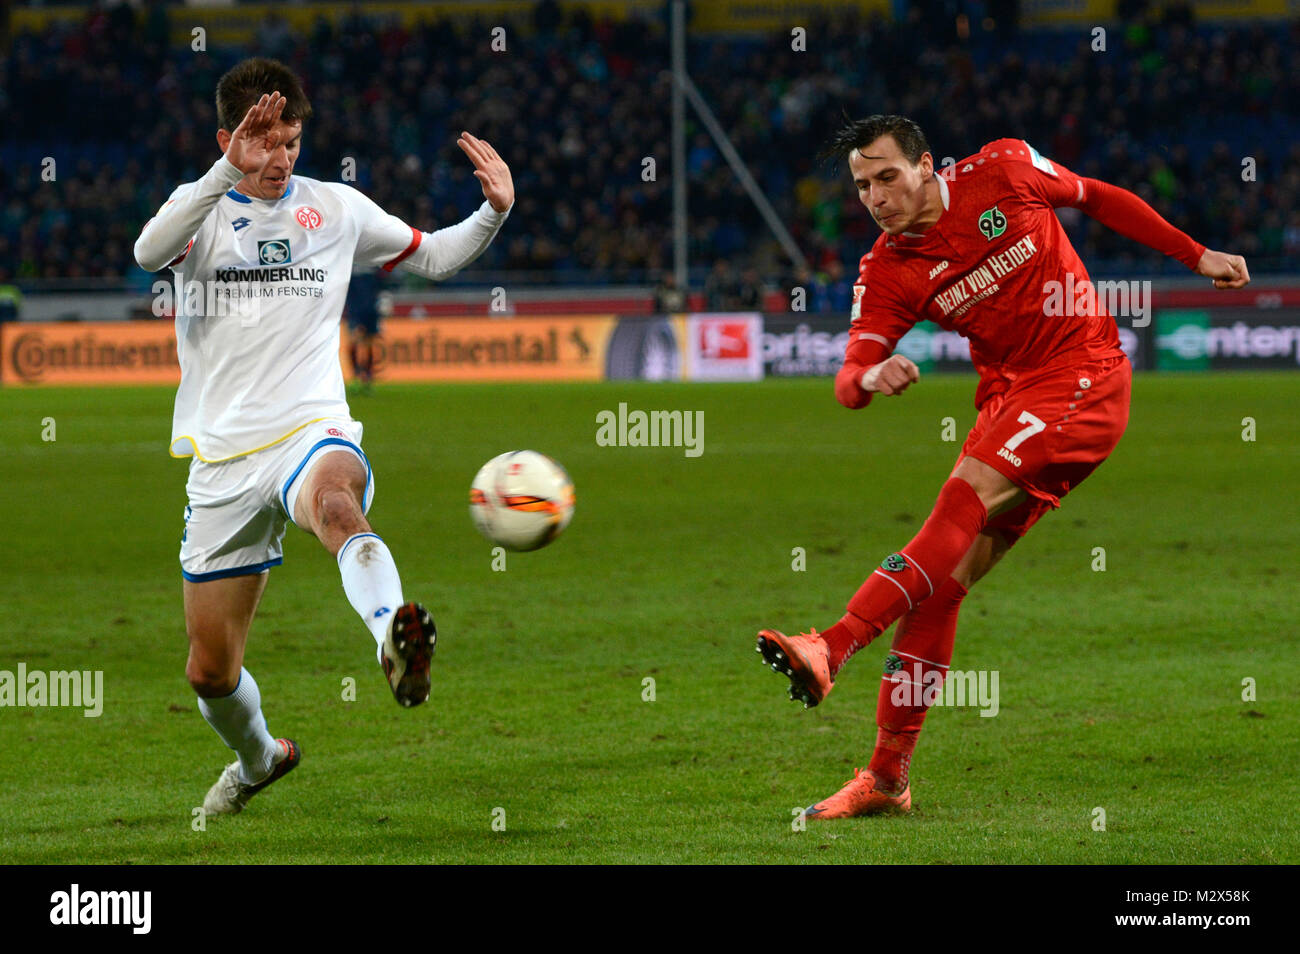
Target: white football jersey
260	289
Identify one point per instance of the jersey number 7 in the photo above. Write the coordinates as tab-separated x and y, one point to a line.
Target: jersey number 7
1036	426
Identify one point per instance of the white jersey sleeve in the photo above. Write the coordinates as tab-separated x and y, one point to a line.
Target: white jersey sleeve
388	242
167	238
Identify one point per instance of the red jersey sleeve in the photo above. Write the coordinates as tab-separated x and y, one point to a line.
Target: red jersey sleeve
1038	178
879	320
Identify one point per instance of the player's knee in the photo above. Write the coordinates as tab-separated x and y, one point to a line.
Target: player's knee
209	679
968	576
337	507
989	547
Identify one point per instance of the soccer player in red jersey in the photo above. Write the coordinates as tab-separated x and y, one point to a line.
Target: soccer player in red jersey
976	250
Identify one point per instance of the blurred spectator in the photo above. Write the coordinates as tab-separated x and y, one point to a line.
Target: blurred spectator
833	290
722	291
750	295
11	299
814	291
362	312
669	299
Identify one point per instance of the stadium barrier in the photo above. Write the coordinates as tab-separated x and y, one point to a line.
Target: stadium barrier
744	346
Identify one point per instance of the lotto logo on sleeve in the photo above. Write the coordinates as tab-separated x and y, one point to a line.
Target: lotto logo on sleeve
308	217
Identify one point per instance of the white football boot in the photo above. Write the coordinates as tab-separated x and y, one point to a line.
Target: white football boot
229	795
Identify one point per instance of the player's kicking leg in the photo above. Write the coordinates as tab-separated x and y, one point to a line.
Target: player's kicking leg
920	654
973	494
218	614
956	552
330	503
979	513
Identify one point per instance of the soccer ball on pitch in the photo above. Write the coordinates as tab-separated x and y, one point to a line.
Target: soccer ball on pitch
521	500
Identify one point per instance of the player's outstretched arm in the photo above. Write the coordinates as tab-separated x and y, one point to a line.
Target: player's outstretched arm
1126	213
165	238
441	254
491	170
1228	271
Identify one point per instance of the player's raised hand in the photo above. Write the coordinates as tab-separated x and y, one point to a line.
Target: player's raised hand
892	376
1228	271
491	170
256	137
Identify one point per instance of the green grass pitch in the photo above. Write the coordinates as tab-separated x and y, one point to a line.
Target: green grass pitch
1120	690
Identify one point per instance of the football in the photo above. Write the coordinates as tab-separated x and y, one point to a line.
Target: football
521	500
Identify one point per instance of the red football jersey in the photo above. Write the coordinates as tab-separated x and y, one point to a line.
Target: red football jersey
983	270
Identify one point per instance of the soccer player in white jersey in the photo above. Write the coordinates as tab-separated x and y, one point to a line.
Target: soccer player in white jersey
262	260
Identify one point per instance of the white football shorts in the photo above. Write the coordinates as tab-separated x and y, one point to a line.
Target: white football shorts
238	509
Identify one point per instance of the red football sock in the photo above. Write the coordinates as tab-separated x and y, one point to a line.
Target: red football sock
914	673
906	579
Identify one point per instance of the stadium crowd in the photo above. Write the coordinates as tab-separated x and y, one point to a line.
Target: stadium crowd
1200	122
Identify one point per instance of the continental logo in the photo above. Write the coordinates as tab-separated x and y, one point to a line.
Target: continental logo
470	348
433	347
31	355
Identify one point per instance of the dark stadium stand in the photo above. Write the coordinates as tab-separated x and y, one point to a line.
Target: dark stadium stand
1169	110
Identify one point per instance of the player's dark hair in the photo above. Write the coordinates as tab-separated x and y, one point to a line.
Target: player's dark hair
240	89
857	133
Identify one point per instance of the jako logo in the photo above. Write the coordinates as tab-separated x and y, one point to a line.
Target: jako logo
942	266
102	907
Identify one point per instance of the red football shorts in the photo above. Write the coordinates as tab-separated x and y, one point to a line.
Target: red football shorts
1048	432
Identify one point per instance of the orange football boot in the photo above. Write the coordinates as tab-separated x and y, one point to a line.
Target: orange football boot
859	797
805	659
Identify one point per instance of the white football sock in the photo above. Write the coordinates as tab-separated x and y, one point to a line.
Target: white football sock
371	582
238	719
